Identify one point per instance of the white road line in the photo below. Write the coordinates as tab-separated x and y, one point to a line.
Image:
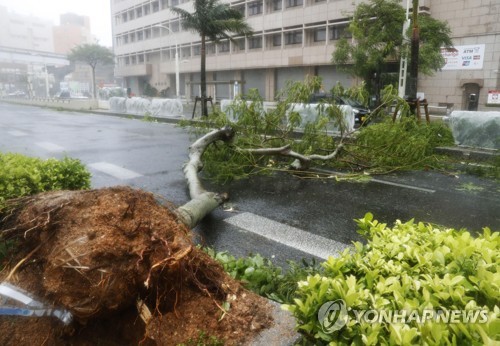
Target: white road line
290	236
423	189
380	181
16	133
50	146
114	170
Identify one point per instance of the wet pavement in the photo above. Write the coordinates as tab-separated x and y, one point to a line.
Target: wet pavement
124	151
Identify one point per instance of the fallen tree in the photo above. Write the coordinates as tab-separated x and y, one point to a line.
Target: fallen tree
114	266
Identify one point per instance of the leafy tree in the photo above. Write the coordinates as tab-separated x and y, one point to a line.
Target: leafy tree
378	41
92	55
213	21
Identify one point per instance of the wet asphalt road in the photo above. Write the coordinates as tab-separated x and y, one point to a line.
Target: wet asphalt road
150	156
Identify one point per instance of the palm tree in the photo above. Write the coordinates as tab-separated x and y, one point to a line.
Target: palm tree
213	21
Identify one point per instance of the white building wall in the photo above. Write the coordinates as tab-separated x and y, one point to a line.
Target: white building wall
267	65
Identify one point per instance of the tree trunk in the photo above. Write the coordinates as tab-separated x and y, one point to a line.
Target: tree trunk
94	93
203	77
202	201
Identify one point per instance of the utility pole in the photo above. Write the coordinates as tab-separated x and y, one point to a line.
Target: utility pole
415	42
403	64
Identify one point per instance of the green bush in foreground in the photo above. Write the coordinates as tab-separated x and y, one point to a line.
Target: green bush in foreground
22	176
412	267
261	276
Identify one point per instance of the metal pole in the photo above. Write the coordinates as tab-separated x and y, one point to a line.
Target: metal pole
177	68
403	67
47	91
177	63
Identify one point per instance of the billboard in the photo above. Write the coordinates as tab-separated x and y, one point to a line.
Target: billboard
469	57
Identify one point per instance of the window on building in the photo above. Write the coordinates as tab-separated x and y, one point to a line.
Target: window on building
210	48
186	52
147	33
175	26
294	3
277	5
156	6
140	36
339	31
133	60
293	37
146	9
124	17
320	35
277	40
127	60
255	42
174	3
140	58
138	12
132	37
164	4
255	8
196	50
241	9
223	47
131	14
125	39
238	45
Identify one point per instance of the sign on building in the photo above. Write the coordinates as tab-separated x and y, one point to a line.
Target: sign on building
463	57
494	97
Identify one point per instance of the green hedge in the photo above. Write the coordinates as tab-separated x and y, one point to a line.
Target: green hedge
22	176
410	267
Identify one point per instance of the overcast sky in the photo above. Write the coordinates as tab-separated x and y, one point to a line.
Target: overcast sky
97	10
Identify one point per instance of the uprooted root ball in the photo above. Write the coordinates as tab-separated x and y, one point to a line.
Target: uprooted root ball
96	253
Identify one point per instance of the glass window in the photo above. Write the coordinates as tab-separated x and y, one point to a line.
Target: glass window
339	31
255	8
138	12
255	42
224	46
277	40
293	37
294	3
197	50
320	35
156	6
277	5
174	26
147	9
174	3
140	36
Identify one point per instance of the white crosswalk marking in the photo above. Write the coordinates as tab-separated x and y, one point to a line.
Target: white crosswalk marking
50	146
290	236
17	133
114	170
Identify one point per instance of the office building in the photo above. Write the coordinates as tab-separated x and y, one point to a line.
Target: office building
293	39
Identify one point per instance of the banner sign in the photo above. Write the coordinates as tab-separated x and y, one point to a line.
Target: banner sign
494	97
463	57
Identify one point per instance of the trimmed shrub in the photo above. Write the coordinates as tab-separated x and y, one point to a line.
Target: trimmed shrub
22	176
412	267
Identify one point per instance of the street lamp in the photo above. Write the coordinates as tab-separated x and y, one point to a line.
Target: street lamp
403	67
177	83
